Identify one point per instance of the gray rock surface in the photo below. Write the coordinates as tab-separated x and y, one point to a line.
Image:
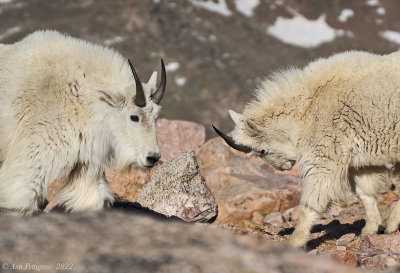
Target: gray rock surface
111	241
177	189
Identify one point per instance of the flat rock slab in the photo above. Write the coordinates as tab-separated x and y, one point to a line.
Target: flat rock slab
178	189
112	241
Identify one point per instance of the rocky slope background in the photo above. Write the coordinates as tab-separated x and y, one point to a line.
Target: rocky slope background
216	52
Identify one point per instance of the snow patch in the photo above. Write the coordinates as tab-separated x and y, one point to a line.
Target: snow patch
381	11
172	66
372	2
180	81
115	40
10	32
246	7
218	6
345	15
5	1
302	32
391	36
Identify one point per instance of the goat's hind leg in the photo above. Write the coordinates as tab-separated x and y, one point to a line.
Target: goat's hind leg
369	182
20	189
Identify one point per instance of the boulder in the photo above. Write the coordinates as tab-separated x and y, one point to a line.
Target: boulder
244	185
379	251
113	241
343	256
177	189
177	136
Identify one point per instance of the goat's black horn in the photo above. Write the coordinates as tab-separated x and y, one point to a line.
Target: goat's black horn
140	99
159	93
229	140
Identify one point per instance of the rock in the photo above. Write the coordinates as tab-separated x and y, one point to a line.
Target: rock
177	189
343	256
244	185
273	219
379	251
346	239
112	241
177	136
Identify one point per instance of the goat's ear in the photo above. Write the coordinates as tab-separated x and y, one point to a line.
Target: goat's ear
252	129
236	117
152	83
111	97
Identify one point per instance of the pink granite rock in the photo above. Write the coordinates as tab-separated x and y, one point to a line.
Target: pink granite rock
379	251
177	189
177	136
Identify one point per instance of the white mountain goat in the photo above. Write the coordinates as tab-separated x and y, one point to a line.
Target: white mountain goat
340	119
67	107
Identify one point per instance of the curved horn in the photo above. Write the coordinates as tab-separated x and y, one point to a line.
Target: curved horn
140	99
229	140
159	93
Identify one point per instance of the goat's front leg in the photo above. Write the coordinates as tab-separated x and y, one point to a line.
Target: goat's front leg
301	234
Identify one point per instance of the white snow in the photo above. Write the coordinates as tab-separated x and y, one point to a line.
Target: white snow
381	11
180	81
212	37
372	2
302	32
10	32
390	35
172	66
246	6
345	15
219	6
115	40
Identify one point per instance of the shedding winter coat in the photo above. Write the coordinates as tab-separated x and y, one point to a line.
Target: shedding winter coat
67	107
339	118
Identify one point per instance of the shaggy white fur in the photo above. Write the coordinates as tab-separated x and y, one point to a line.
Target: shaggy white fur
65	111
340	119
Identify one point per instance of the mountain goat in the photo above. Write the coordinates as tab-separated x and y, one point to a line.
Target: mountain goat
340	119
68	107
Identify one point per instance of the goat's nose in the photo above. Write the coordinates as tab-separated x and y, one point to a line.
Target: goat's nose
153	158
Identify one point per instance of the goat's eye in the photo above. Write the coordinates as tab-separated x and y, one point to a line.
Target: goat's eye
263	152
134	118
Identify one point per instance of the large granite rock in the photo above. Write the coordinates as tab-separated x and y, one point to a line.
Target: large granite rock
243	187
112	241
379	251
177	189
177	136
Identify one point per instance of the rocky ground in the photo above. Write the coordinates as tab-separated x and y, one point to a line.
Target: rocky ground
253	200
